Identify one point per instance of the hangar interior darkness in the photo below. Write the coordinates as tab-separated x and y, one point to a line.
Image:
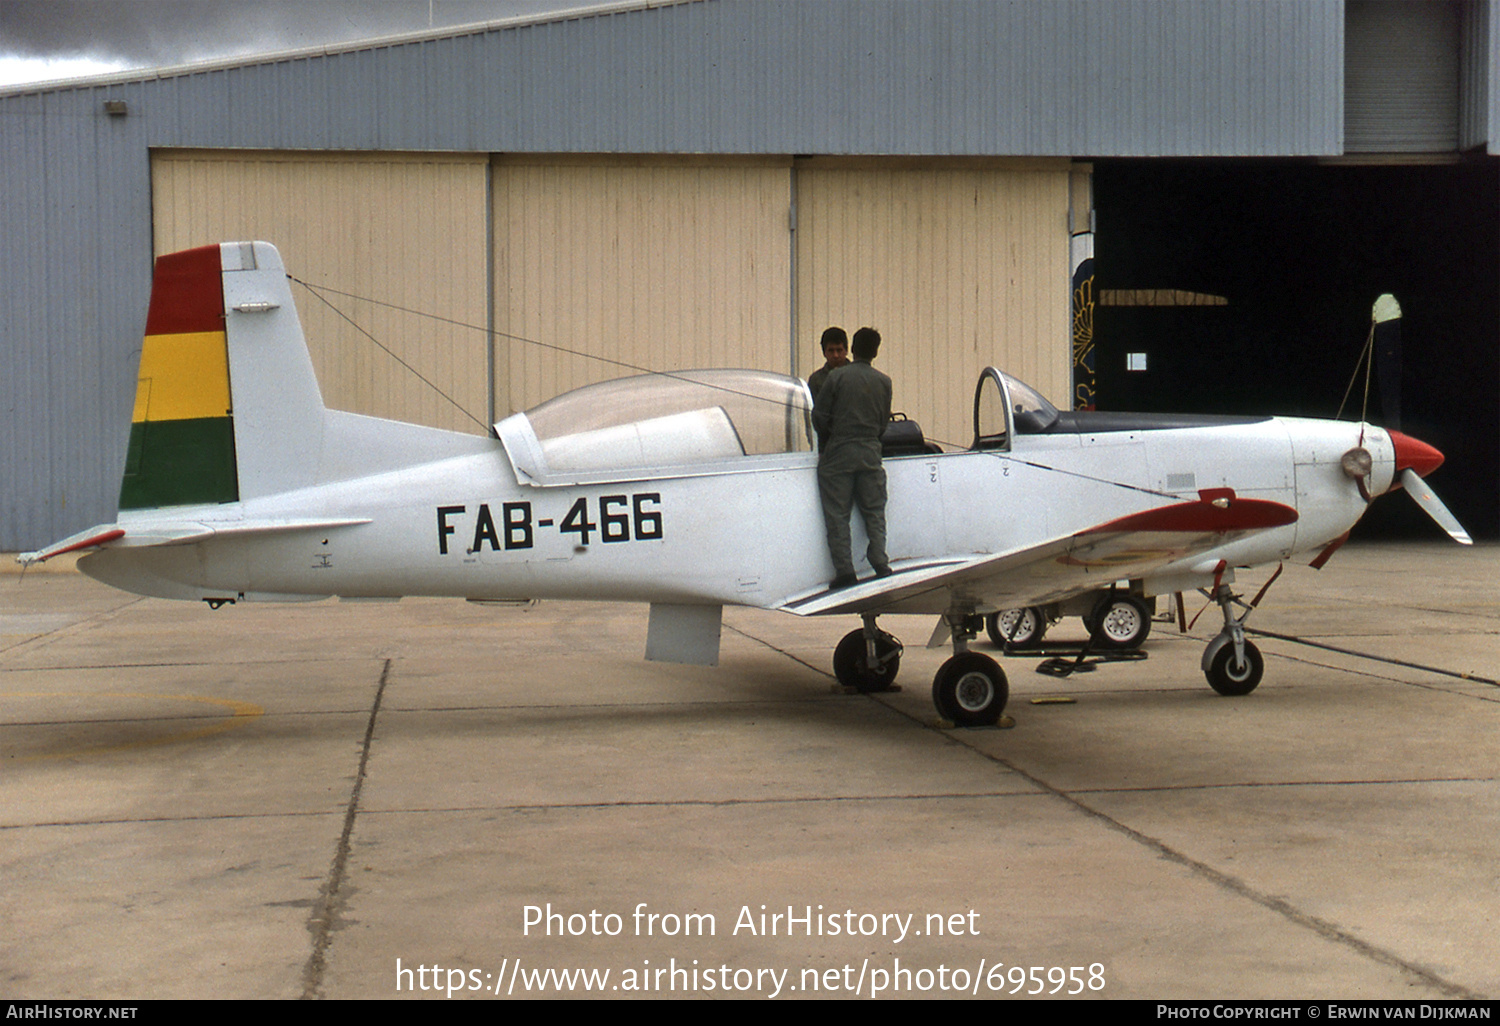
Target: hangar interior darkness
1300	251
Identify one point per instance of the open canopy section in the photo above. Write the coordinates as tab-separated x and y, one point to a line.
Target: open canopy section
1005	406
659	422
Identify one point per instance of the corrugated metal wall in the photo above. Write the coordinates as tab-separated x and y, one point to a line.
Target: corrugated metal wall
1479	102
408	231
940	77
1402	77
958	268
75	270
1491	23
1473	80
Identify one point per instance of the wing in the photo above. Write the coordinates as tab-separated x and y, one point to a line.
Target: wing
1131	546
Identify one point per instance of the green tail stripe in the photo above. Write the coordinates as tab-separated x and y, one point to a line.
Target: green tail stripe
180	463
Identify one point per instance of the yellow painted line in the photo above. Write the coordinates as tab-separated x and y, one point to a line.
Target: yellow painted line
183	377
239	714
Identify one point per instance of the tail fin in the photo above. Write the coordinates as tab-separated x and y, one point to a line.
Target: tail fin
227	406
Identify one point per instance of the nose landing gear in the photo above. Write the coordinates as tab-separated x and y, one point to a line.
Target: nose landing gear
1231	662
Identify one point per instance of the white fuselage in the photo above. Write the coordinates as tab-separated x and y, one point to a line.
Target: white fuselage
746	530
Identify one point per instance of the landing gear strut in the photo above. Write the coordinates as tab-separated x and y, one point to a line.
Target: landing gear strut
970	688
1232	663
867	659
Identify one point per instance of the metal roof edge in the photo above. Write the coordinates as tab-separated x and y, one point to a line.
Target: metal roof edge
354	46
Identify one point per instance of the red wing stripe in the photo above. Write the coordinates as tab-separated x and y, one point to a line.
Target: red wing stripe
1203	517
88	543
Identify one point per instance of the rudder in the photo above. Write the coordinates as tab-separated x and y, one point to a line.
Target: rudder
227	404
181	449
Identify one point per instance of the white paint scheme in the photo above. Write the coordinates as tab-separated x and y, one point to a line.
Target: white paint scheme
336	504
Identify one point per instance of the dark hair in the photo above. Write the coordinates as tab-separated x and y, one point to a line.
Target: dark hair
866	344
833	337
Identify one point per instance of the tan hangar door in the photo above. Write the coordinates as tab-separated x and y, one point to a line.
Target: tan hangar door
959	266
401	232
605	268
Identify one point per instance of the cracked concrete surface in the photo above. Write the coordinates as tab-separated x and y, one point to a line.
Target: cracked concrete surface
284	801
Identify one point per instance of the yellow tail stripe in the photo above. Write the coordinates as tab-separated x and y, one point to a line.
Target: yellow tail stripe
183	377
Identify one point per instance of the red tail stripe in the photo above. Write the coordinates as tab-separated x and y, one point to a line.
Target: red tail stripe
187	293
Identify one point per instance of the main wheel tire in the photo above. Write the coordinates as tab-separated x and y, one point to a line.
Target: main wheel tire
970	689
1016	628
1228	677
849	661
1121	623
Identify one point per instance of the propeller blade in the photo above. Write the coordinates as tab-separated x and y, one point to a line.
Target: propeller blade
1386	325
1433	506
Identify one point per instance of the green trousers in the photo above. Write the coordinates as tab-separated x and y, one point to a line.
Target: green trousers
852	475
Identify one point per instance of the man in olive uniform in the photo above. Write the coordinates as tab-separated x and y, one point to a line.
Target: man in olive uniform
850	413
835	354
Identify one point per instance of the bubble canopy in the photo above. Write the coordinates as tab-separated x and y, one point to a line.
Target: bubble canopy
659	422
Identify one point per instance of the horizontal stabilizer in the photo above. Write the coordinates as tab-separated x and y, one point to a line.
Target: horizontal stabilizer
181	532
90	539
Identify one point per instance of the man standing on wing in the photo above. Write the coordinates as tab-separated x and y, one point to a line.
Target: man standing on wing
850	413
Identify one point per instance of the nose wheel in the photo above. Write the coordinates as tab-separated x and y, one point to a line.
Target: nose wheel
1229	673
1232	663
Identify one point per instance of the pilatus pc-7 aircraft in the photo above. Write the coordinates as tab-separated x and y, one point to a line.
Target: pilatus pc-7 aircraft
694	490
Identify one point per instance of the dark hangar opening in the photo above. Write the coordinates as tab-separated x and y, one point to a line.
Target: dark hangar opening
1246	287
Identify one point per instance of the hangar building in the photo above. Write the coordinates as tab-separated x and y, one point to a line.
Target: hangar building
486	216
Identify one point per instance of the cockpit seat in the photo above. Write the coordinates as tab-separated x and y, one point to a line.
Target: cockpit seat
903	437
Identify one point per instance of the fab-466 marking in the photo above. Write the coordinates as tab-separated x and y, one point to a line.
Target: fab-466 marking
615	518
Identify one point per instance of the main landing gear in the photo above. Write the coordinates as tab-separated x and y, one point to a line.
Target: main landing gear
970	689
1120	621
867	659
1117	621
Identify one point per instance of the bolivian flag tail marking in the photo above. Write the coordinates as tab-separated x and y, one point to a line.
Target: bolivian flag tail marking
182	430
183	377
186	293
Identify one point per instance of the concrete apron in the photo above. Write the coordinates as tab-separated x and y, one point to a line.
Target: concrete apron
425	798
